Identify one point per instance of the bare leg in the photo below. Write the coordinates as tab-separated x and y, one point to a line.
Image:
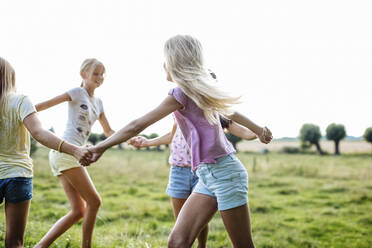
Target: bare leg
177	204
80	187
238	226
194	215
77	212
16	219
203	237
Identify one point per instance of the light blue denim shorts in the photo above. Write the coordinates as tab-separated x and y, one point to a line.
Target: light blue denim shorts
227	180
181	183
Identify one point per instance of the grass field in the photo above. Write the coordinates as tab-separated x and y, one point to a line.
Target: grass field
295	200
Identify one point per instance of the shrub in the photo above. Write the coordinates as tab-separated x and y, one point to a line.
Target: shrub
290	150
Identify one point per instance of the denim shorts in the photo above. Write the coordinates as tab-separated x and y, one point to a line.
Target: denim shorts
181	182
16	189
227	180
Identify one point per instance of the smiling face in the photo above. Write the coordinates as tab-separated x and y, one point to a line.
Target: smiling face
94	78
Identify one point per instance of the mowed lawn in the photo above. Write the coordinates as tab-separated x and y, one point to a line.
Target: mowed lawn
295	200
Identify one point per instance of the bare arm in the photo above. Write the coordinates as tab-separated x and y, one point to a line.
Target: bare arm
105	125
135	127
52	102
264	134
47	138
163	140
240	131
140	142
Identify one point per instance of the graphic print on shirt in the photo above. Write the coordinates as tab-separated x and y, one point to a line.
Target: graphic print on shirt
83	106
83	120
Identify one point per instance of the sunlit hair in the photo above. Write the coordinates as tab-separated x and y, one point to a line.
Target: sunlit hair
185	64
89	65
7	84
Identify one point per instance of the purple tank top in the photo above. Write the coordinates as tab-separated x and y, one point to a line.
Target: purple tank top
207	142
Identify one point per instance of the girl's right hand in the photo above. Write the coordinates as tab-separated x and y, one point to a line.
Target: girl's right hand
96	153
266	136
83	155
138	142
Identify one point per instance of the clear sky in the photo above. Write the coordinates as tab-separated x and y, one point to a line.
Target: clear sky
293	62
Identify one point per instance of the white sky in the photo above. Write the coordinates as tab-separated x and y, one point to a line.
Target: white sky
293	62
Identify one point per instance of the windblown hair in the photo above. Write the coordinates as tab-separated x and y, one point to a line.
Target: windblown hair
185	64
7	84
89	65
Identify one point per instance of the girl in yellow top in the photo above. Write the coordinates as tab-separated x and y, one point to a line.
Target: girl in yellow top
17	120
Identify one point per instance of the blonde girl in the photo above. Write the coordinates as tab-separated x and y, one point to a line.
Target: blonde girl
182	180
84	108
18	119
223	180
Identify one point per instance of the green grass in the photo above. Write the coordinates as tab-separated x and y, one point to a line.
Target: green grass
295	201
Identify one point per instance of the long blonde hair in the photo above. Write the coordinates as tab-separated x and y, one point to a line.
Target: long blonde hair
7	84
89	65
185	63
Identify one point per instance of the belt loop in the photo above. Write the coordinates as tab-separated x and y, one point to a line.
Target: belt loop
211	171
231	155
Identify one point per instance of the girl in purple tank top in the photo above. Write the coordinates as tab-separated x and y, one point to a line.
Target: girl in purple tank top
223	180
182	180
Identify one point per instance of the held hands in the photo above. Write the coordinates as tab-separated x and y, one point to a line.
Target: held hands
90	154
96	153
138	142
87	155
266	135
83	155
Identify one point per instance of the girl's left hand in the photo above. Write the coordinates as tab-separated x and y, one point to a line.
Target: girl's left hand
266	135
138	142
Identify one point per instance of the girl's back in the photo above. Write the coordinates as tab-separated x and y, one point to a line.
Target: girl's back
14	138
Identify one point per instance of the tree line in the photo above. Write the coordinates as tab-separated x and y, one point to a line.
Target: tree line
310	135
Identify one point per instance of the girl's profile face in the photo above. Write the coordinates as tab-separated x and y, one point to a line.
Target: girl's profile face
95	77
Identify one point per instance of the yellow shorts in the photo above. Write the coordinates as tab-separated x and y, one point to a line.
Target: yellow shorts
61	161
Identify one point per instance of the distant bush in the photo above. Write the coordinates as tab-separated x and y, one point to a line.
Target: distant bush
93	138
311	133
336	132
368	135
290	150
153	136
305	145
101	137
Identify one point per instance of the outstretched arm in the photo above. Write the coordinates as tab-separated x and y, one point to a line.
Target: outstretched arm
140	141
105	125
52	102
264	134
135	127
47	138
241	131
